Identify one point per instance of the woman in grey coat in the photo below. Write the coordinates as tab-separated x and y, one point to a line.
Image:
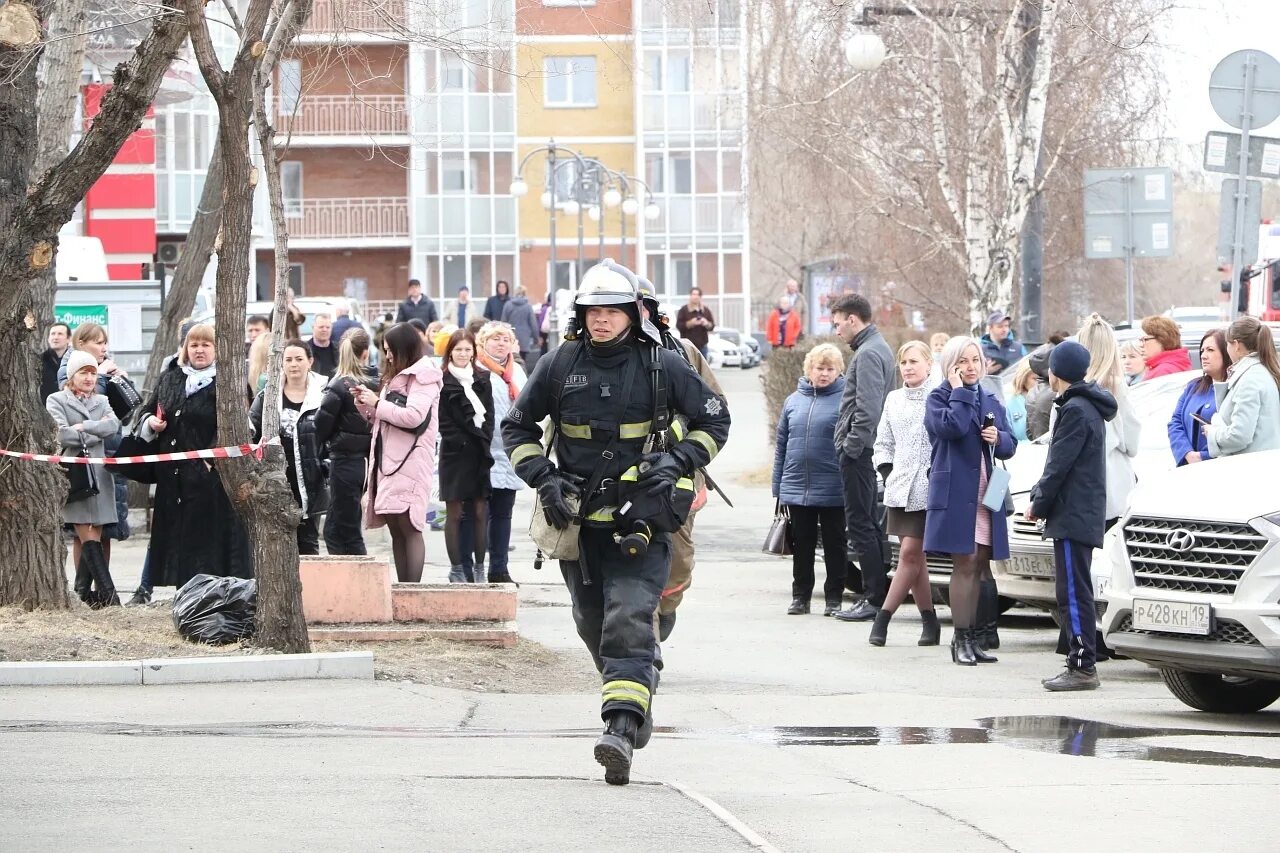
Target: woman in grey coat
1248	416
85	420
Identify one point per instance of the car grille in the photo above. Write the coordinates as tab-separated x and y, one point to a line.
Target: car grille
1191	556
935	564
1022	527
1224	631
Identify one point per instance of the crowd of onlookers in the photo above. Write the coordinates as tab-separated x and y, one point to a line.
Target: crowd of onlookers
396	445
921	436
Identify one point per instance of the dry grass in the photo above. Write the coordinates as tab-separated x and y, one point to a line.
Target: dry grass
762	476
132	633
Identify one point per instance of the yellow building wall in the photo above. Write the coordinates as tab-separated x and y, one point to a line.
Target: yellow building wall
535	219
614	113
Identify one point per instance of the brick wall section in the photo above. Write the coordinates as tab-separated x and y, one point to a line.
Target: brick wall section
387	270
604	17
353	172
367	70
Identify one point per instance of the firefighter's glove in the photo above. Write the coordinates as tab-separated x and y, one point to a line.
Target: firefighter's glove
552	493
659	471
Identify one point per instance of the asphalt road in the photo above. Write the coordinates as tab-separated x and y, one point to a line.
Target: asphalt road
775	733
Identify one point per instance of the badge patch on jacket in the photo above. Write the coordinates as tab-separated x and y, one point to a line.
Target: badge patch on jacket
575	380
713	406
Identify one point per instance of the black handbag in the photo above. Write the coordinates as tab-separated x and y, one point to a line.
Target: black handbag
82	481
779	540
123	397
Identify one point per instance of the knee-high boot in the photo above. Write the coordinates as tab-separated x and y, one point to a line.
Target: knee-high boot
988	615
84	581
104	587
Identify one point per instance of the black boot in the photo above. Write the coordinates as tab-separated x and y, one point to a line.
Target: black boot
988	615
141	596
979	653
961	650
931	631
799	607
615	746
666	624
104	588
84	582
880	630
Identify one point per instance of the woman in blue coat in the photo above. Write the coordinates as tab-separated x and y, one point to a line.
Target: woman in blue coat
1186	434
957	523
806	477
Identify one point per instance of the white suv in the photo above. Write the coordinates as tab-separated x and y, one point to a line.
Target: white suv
1195	582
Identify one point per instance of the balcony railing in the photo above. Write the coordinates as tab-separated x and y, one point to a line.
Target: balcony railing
461	115
346	115
375	17
349	218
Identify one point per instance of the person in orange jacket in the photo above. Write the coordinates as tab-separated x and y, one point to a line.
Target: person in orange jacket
783	327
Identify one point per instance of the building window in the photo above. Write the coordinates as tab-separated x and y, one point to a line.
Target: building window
455	76
290	86
457	174
291	184
681	174
570	81
682	275
667	74
655	172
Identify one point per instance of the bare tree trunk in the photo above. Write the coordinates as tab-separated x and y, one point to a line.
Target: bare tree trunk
258	489
31	494
196	252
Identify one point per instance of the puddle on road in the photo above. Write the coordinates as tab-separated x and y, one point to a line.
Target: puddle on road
1050	735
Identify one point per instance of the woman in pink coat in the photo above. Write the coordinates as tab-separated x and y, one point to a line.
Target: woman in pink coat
404	423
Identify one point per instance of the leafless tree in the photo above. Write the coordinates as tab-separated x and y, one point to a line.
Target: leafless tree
33	207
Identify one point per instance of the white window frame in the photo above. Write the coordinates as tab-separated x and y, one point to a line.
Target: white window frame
453	64
292	205
454	162
569	75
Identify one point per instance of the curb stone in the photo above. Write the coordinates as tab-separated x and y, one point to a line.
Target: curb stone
326	665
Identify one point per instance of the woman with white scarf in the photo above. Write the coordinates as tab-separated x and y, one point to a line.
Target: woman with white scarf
301	393
466	435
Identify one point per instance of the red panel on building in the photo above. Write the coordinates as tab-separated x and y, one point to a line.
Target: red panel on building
126	191
124	272
139	148
137	236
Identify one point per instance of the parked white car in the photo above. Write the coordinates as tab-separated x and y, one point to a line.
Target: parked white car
722	352
748	347
1195	582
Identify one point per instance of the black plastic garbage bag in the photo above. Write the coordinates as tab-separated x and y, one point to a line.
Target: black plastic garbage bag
215	610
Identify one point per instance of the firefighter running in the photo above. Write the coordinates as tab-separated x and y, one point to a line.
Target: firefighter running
611	391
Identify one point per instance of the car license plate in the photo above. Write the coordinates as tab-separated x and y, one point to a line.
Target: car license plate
1174	617
1030	567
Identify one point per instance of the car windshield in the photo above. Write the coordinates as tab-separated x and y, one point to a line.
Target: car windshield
730	335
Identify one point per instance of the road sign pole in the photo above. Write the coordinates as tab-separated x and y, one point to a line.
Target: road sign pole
1242	189
1130	240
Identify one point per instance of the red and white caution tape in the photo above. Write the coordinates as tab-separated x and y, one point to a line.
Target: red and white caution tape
254	450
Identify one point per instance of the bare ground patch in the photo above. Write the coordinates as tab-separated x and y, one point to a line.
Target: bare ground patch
131	633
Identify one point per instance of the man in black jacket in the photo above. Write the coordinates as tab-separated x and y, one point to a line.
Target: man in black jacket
51	359
1071	498
416	306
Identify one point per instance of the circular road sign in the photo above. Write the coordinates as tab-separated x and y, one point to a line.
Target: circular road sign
1226	88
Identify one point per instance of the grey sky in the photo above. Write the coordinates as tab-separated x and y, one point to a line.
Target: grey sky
1200	34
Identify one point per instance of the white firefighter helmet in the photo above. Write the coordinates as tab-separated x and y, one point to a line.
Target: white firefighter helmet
608	283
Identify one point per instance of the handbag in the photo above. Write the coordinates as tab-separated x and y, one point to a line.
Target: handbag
123	397
82	482
997	497
779	540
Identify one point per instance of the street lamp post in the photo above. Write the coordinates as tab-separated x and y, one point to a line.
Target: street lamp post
520	188
865	51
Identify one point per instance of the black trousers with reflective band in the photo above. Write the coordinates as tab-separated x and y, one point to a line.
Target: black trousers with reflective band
1076	611
614	613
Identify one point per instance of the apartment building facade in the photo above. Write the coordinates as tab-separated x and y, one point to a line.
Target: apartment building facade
403	123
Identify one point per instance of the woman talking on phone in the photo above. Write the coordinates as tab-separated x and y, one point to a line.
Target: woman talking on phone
404	426
968	431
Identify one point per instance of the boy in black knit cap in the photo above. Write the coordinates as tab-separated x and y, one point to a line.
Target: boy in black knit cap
1071	498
